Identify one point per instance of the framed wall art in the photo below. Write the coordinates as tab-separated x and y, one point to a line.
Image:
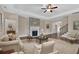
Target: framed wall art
76	25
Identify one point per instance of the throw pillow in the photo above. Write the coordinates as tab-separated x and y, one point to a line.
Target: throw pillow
4	38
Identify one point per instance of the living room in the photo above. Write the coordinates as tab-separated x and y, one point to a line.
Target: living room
23	31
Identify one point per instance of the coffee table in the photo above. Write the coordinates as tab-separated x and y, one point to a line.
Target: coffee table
35	37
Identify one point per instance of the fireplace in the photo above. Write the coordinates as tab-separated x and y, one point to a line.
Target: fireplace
35	33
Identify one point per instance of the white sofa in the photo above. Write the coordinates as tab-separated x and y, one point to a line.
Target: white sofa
9	45
48	48
6	45
72	37
44	48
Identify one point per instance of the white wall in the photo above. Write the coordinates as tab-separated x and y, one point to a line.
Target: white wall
71	19
43	28
54	28
10	18
23	25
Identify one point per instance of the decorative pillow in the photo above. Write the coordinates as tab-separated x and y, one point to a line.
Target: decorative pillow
47	47
12	36
4	38
72	35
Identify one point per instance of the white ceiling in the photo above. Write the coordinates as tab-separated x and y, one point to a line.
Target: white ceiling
34	10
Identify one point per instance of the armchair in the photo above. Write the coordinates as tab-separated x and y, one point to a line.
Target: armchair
48	48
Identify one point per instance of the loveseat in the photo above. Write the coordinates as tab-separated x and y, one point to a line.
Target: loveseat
9	45
6	44
72	37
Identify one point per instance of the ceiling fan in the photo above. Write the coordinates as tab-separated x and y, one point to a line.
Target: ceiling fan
48	7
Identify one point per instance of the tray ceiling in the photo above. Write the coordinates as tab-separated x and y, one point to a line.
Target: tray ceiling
34	10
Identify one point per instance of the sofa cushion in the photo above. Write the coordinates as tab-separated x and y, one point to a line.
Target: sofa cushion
31	48
47	47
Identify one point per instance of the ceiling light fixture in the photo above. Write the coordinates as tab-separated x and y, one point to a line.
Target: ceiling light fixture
48	7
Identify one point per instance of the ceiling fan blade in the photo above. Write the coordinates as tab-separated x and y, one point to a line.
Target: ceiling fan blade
45	11
54	7
50	10
43	8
